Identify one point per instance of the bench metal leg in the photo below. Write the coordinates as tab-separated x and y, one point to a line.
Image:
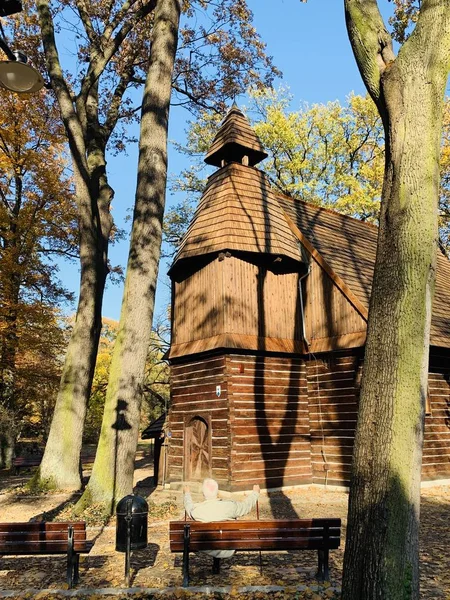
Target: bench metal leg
326	570
319	575
76	569
186	538
216	566
70	558
323	572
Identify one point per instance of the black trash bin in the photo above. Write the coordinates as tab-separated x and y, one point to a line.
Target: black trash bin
131	528
131	514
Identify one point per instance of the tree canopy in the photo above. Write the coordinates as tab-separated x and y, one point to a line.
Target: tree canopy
327	154
37	227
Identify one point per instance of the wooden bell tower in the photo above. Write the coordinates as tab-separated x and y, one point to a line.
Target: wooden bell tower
237	385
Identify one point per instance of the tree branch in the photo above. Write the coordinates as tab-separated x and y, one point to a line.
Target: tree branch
371	44
68	113
99	63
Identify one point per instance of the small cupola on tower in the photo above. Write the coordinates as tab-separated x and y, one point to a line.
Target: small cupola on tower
235	142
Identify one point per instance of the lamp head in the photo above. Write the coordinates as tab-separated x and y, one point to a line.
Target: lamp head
19	76
10	7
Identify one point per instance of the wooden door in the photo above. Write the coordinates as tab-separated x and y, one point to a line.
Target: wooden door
197	450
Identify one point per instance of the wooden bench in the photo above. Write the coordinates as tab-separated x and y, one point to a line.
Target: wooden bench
47	538
25	462
322	535
30	460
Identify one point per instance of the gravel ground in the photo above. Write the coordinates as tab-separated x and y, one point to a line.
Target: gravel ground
156	567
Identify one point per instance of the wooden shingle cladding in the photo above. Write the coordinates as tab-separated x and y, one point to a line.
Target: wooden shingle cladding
238	211
234	140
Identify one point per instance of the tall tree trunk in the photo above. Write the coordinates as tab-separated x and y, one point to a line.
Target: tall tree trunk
112	473
382	555
60	467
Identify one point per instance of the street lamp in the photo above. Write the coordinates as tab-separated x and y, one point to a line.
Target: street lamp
16	74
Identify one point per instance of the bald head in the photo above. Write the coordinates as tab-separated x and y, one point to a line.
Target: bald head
210	489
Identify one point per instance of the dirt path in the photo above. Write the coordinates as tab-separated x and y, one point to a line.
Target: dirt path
156	567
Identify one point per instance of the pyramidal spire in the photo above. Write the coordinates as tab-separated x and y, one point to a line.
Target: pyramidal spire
235	141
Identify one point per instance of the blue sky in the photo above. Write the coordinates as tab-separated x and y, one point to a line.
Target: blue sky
309	44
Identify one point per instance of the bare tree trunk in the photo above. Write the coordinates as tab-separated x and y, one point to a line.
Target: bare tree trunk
60	467
112	473
382	549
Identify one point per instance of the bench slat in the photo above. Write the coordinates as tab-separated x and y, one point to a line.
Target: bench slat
213	534
213	542
280	544
269	523
37	536
42	547
43	526
20	461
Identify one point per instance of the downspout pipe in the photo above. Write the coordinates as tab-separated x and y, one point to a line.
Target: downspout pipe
302	308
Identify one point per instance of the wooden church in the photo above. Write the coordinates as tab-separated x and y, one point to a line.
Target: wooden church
270	300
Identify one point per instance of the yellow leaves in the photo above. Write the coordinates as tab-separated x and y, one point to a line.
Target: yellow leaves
406	13
325	154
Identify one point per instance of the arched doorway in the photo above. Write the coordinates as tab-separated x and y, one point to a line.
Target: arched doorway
197	449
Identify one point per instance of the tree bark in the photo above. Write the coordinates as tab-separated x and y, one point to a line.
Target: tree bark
382	552
60	467
112	473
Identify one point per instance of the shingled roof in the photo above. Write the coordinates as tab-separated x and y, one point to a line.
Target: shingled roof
239	211
348	246
234	140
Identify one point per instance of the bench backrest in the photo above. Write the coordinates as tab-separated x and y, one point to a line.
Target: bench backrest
20	461
41	537
273	534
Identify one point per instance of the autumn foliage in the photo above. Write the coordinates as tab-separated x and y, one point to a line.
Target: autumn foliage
37	224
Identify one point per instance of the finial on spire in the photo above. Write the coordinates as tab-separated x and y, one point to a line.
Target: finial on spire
235	141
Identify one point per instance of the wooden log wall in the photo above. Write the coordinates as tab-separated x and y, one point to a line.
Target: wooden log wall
193	394
333	392
436	448
270	441
283	421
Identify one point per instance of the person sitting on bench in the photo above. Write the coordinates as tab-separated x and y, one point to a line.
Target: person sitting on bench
218	509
